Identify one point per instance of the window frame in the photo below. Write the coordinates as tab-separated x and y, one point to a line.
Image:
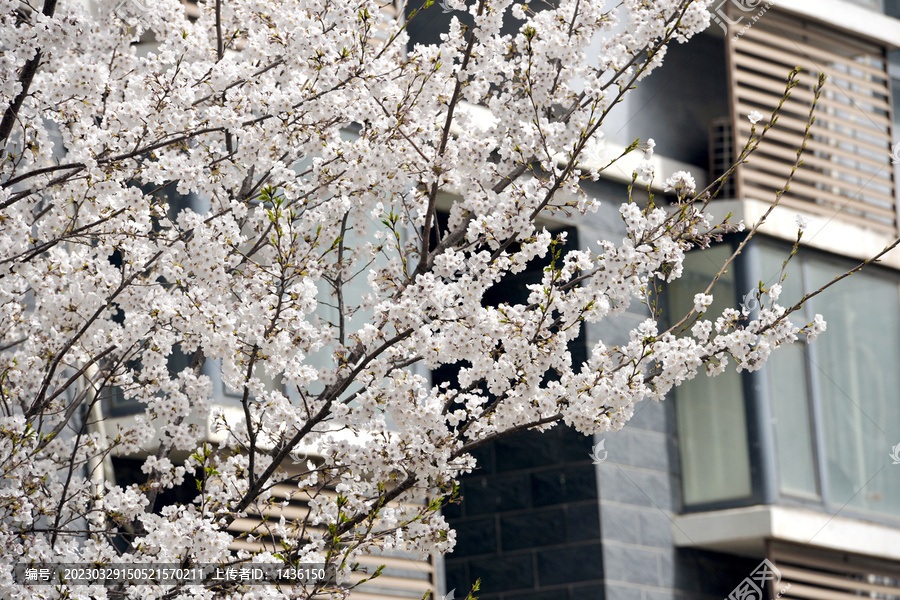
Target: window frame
759	401
759	459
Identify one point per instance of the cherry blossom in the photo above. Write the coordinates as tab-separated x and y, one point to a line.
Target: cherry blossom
248	200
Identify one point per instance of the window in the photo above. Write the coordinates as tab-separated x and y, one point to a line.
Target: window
788	388
855	383
710	412
818	423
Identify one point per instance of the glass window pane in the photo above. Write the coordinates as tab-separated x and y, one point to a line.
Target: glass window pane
790	408
712	428
788	388
771	262
857	380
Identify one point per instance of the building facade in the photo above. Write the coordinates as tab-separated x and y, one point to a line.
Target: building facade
783	482
791	464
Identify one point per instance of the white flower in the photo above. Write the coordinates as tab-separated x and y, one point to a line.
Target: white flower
701	330
682	183
648	149
645	171
594	153
802	221
815	328
755	116
702	302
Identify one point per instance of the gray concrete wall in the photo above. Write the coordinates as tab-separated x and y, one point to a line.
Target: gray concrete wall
639	482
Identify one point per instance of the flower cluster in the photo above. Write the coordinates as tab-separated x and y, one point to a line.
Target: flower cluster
225	227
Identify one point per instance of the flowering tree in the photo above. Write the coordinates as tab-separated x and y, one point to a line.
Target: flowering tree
106	278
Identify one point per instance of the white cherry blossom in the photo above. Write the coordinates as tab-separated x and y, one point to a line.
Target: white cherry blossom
244	206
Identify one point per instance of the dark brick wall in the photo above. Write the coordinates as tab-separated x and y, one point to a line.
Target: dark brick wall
528	523
535	522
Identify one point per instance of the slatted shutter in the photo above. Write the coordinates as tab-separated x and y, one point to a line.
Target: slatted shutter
404	576
809	573
847	172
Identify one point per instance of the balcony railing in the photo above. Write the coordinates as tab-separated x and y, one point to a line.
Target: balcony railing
847	172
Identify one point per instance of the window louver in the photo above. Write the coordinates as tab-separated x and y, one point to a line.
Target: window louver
847	172
404	576
812	573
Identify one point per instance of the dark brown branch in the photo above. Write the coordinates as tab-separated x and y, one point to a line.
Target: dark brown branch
422	267
25	79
